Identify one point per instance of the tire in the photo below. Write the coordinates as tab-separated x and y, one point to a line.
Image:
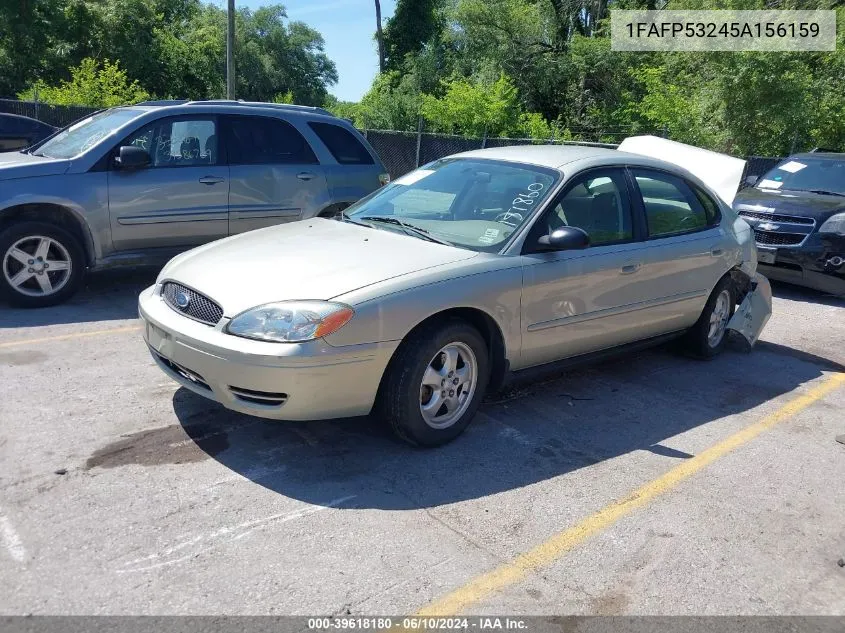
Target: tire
24	277
701	340
403	394
334	211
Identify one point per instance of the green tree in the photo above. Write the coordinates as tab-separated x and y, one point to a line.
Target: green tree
474	108
413	24
90	84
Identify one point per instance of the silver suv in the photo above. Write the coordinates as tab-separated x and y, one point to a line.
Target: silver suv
138	184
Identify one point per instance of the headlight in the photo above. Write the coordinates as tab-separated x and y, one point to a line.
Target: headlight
290	321
834	224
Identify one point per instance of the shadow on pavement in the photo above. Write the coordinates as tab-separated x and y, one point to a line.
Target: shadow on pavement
544	431
783	290
106	296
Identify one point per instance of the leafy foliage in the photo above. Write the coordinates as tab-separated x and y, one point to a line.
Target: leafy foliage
173	48
92	84
567	82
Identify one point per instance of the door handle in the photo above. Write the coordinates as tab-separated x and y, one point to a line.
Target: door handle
630	268
304	175
716	252
211	180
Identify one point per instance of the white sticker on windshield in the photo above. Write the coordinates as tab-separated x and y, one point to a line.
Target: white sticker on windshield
769	184
414	176
792	166
490	236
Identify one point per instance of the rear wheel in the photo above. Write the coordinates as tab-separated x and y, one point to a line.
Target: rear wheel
42	264
435	383
707	338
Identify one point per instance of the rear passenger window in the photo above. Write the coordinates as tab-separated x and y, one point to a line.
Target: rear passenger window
256	140
346	149
670	205
711	209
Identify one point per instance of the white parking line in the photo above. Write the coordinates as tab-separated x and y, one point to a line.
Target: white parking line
220	536
11	539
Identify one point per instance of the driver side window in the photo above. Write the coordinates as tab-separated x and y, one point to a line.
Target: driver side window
178	142
596	202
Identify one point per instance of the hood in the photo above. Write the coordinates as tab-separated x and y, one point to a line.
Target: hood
20	165
720	172
310	259
801	203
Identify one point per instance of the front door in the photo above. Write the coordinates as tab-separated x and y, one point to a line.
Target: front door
574	302
181	198
275	175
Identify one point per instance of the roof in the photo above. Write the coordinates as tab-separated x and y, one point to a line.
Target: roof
543	155
289	107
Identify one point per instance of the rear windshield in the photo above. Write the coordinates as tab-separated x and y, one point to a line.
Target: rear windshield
346	149
807	174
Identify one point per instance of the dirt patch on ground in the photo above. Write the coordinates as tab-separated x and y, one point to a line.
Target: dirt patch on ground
172	444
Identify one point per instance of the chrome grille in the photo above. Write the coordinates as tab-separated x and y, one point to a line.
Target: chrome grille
194	305
766	238
777	217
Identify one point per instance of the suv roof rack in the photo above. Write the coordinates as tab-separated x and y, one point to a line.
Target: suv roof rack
823	150
162	102
261	104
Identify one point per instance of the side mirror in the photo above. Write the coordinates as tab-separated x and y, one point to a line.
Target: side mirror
750	181
566	238
131	157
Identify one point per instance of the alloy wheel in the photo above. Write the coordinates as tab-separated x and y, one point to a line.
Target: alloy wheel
719	319
448	385
37	266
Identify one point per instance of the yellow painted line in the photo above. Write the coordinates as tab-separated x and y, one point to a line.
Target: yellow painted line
65	337
556	547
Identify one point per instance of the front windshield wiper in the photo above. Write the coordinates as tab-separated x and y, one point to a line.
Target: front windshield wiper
348	218
409	228
824	192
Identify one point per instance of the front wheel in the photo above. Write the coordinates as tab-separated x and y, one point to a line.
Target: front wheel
708	336
435	383
42	264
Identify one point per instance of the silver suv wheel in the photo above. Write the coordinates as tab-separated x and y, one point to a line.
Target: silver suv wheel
37	266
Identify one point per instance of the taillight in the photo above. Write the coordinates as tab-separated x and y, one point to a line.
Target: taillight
384	179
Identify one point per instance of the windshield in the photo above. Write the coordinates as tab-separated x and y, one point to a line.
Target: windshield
807	174
75	139
471	203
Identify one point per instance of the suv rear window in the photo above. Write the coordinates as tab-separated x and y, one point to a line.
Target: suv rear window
346	149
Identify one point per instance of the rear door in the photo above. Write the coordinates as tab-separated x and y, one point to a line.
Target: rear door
275	176
685	258
182	197
355	172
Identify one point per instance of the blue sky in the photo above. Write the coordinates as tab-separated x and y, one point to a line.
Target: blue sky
348	27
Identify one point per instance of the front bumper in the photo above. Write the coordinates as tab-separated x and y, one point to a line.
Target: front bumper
283	381
819	263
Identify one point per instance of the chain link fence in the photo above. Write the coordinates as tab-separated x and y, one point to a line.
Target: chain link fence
757	166
400	152
55	115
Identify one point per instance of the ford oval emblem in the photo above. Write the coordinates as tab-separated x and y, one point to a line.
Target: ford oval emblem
182	300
